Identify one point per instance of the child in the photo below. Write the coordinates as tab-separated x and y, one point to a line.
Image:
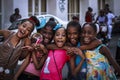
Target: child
10	49
47	33
97	59
28	67
73	34
56	58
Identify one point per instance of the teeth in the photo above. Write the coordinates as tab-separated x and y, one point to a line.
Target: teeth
86	39
22	32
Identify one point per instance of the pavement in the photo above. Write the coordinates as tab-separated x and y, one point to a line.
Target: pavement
112	45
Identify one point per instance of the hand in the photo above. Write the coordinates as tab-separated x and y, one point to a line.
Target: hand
40	47
69	51
29	48
43	48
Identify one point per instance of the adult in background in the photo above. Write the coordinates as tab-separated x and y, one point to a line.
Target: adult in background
111	19
89	15
15	16
75	18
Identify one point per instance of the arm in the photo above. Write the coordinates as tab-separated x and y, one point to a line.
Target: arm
52	46
5	33
92	45
76	69
96	19
22	67
38	65
106	52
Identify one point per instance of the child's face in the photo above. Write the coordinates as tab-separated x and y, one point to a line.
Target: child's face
88	34
60	37
47	35
73	35
25	29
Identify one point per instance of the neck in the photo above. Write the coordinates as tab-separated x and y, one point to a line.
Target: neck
15	40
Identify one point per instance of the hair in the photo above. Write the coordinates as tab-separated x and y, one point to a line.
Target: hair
90	9
16	9
75	17
74	24
50	24
92	25
35	20
51	19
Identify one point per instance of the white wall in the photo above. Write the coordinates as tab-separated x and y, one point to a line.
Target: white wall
51	7
9	7
63	14
116	7
23	6
83	9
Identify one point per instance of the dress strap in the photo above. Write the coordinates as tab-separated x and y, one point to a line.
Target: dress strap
99	47
8	38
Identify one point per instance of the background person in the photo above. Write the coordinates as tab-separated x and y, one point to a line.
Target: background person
15	16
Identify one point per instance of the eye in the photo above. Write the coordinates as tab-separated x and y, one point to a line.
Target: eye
64	35
24	26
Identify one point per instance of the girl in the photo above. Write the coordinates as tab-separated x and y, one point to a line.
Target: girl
98	67
56	58
10	49
27	68
73	34
47	34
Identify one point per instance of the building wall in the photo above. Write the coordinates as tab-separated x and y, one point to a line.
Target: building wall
62	9
58	8
23	6
116	7
51	7
84	4
8	9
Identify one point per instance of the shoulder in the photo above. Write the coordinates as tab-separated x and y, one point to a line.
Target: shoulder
5	33
104	50
27	41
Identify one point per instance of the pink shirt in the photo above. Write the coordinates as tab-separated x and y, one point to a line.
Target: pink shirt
31	69
52	69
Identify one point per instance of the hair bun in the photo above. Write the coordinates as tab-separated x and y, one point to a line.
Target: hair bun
35	20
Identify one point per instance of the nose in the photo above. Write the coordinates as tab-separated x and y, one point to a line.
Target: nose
86	34
60	36
72	36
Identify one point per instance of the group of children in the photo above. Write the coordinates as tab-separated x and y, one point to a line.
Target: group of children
47	51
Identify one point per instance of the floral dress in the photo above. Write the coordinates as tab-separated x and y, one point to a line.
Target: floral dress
98	67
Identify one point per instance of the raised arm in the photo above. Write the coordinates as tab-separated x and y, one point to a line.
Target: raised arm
5	33
92	45
38	64
76	69
111	60
22	67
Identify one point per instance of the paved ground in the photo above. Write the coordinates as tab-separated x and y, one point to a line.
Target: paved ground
113	43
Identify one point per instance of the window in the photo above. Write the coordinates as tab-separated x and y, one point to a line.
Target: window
36	7
74	7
